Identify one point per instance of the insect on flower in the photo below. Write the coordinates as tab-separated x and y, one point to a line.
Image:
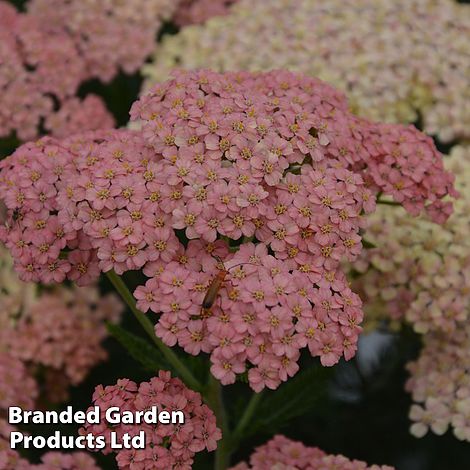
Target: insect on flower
215	286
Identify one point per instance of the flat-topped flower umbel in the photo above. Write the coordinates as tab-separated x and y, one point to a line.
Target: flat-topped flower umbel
272	165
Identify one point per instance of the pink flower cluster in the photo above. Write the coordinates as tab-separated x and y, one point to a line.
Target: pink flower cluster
36	68
203	136
75	116
269	309
11	459
199	11
35	234
274	162
170	446
47	52
16	386
62	461
58	331
64	330
284	454
108	35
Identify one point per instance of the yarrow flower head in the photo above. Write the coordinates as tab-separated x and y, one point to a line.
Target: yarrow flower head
17	386
420	271
59	330
272	165
9	458
281	453
440	385
64	330
109	35
76	116
395	60
47	52
62	461
41	70
170	446
43	246
423	280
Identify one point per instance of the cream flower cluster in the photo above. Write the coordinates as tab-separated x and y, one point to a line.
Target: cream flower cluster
395	60
421	274
440	385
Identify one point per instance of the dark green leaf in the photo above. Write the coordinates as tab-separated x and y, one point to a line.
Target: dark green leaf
367	244
140	349
294	398
198	365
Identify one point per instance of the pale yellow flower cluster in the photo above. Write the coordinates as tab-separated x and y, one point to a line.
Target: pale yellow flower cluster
420	273
397	61
421	270
440	385
14	294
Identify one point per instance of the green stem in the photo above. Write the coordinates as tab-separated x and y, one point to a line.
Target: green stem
246	417
388	203
170	356
215	401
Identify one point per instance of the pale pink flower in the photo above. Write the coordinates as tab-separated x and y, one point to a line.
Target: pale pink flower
283	453
173	446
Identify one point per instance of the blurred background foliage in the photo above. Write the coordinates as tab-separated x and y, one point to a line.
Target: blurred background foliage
358	408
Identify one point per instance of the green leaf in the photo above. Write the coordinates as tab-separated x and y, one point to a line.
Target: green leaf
8	145
198	365
296	397
367	244
140	349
